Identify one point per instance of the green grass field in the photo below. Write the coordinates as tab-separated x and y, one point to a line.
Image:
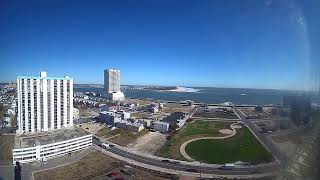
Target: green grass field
242	147
203	128
191	130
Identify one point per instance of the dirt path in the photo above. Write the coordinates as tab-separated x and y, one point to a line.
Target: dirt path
229	133
148	143
112	136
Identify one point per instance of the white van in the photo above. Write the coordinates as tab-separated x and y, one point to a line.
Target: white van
105	145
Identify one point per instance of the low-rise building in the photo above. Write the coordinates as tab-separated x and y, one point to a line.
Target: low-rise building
50	144
161	126
190	103
135	127
258	108
11	111
131	106
146	123
153	107
122	124
104	107
109	117
177	119
76	114
6	120
86	97
124	115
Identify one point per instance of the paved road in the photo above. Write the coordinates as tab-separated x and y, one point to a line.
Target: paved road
157	162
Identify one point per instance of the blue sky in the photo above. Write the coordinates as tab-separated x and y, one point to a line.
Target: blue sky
254	44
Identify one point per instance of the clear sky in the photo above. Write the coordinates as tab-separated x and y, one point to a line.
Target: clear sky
232	43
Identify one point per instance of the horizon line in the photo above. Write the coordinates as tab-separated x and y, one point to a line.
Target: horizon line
281	89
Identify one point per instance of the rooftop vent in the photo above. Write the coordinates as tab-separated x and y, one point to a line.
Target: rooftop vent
43	74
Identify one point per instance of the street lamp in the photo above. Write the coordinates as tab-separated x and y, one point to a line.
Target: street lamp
200	167
125	157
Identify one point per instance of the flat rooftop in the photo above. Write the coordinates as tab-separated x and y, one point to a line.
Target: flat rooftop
43	138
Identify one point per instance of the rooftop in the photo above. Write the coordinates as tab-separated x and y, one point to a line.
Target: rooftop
48	137
174	117
48	78
43	75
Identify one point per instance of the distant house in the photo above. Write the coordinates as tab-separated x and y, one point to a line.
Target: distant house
161	126
146	123
103	107
122	124
190	103
153	107
124	115
177	119
76	113
135	127
258	108
11	111
6	122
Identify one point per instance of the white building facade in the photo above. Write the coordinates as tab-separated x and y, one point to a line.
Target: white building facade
76	114
112	84
43	152
44	103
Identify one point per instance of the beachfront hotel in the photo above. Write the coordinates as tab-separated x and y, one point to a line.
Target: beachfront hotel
44	103
112	84
45	119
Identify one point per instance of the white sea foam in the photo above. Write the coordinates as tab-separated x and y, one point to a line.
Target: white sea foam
184	89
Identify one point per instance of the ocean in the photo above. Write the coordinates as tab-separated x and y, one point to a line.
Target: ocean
209	95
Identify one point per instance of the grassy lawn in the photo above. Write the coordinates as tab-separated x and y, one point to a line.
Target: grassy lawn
191	130
6	145
203	128
124	138
242	147
96	165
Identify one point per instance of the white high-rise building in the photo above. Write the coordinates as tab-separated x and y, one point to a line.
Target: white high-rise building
112	84
44	103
